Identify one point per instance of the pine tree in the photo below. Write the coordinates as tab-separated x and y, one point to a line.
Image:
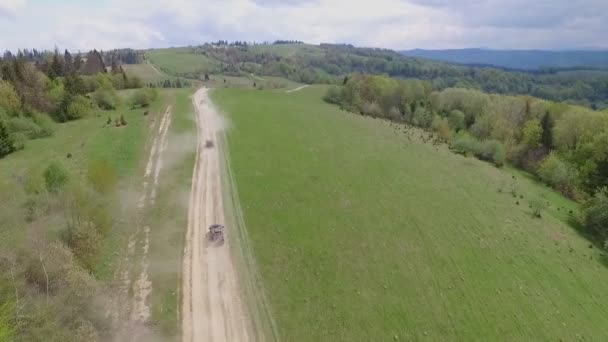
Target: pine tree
114	69
68	62
77	62
56	68
74	84
94	64
547	123
7	144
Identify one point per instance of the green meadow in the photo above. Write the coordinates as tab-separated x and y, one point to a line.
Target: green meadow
363	232
86	140
178	61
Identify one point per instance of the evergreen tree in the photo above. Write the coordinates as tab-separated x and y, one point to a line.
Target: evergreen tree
114	69
7	144
94	64
547	123
68	62
77	62
56	67
74	84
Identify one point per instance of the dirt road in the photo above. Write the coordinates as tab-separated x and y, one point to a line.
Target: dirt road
154	68
257	77
297	89
213	309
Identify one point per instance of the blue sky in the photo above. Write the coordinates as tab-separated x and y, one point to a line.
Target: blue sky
396	24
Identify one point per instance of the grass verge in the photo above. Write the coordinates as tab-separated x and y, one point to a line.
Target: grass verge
361	234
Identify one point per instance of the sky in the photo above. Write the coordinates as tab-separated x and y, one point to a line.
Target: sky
394	24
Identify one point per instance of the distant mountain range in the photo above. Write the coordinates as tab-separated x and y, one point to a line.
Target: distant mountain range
517	59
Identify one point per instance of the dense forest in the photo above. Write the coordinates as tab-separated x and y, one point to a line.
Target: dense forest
565	146
327	63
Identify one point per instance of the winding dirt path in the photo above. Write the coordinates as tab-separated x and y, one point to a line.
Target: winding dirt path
154	68
297	89
257	77
213	309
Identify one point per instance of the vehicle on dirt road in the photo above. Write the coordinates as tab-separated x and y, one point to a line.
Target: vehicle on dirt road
209	144
216	234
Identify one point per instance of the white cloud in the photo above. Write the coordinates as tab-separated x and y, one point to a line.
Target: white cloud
386	23
11	7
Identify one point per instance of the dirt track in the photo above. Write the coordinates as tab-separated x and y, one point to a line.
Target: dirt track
212	309
297	89
129	309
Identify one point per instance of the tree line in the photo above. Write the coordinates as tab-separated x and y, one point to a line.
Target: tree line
565	146
328	63
37	88
120	56
254	43
177	83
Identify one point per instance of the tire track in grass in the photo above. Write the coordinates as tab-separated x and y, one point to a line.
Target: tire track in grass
129	310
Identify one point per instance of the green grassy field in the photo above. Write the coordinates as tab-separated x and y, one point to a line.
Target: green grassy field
146	72
183	61
360	234
86	140
125	148
177	61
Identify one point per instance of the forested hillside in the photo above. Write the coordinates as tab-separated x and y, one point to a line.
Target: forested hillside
517	59
327	63
565	146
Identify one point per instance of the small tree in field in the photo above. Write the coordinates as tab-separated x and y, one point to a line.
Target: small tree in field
55	177
7	144
537	205
102	176
595	213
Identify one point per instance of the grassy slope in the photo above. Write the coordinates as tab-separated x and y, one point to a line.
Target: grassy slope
174	61
179	60
145	72
126	152
362	235
86	139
